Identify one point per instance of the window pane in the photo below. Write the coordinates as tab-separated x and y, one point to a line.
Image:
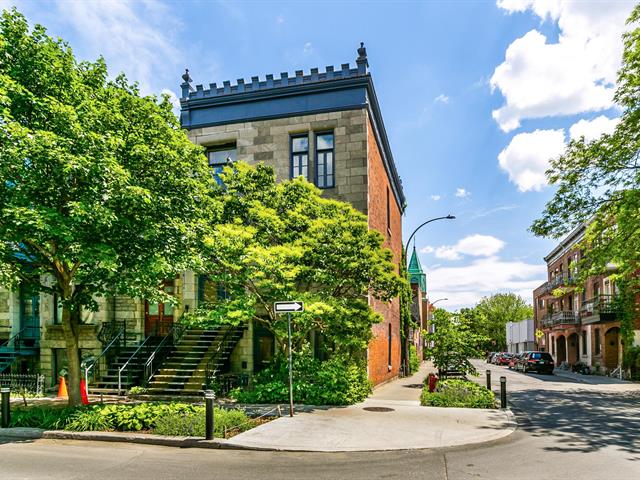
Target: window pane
324	141
329	162
320	181
153	309
329	181
300	144
219	157
304	171
305	160
320	170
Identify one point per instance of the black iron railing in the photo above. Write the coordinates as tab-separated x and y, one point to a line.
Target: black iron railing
226	344
23	383
162	351
92	369
600	304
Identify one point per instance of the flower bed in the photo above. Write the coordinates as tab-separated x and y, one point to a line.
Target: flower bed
175	419
458	393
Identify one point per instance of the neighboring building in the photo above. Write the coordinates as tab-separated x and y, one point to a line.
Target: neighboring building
521	336
580	322
420	310
326	126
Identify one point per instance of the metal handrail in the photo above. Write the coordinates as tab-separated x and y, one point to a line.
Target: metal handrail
174	335
210	372
121	369
87	368
17	337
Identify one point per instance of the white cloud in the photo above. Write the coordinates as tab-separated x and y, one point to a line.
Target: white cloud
527	156
435	198
465	286
592	129
308	48
280	19
474	245
442	98
576	74
135	37
462	193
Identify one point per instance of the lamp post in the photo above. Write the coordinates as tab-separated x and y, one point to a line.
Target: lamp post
405	328
433	303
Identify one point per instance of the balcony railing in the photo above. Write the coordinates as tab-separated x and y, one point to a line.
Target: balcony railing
601	304
566	317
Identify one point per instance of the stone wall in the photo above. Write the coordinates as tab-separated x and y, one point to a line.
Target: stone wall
267	141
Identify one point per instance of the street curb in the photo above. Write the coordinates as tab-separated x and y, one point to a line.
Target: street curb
197	442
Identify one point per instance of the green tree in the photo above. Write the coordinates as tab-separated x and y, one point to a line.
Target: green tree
284	241
100	189
453	342
599	185
491	315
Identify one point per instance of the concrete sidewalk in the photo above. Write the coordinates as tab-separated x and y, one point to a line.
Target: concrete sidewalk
391	419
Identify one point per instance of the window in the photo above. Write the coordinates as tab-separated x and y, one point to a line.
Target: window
219	156
57	310
325	166
300	156
596	336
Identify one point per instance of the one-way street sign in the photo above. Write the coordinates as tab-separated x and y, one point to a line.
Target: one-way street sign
288	307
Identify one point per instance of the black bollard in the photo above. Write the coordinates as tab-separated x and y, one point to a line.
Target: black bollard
488	372
503	392
209	397
6	407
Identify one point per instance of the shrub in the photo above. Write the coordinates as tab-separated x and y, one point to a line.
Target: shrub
458	393
337	381
414	361
631	362
192	424
137	391
162	418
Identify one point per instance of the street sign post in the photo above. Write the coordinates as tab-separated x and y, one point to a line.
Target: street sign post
289	308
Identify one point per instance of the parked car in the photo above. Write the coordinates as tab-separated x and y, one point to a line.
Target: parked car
496	358
504	358
513	361
538	362
490	356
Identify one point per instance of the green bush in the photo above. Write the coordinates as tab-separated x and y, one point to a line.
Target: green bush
631	362
162	418
337	381
458	393
192	424
414	361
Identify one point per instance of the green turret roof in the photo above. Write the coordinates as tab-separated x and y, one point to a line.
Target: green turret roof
416	274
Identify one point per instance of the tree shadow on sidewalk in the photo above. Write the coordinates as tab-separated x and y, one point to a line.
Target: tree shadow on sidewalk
581	420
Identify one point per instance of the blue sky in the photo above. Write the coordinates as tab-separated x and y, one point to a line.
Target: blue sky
476	97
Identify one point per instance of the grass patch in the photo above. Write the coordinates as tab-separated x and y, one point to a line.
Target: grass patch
175	419
458	393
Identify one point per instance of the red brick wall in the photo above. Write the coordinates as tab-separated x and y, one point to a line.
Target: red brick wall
377	203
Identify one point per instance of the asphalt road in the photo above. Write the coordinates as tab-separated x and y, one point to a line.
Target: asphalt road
568	431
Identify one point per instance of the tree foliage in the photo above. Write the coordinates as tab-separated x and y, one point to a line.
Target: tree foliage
283	241
454	342
100	189
490	316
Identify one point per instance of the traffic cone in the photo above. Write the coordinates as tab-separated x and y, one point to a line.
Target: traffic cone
83	392
62	389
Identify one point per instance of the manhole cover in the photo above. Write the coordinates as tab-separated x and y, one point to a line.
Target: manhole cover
378	409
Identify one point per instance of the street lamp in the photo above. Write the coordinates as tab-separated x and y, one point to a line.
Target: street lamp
405	328
433	303
406	250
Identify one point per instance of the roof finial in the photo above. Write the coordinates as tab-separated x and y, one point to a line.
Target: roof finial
185	76
362	61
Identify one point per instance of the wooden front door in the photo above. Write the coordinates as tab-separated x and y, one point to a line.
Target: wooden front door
611	339
158	317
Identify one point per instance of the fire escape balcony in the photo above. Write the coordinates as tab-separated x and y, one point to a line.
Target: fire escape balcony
566	317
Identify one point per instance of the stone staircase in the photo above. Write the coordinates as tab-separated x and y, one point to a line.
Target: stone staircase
7	357
131	376
184	371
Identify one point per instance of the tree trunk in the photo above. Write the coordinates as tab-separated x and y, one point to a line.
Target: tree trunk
70	324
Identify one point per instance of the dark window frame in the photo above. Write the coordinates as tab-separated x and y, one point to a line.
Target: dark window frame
321	151
293	155
221	147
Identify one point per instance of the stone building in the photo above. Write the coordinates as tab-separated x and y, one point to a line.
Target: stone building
580	322
420	306
326	126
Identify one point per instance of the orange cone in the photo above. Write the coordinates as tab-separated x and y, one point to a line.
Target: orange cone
62	389
83	392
